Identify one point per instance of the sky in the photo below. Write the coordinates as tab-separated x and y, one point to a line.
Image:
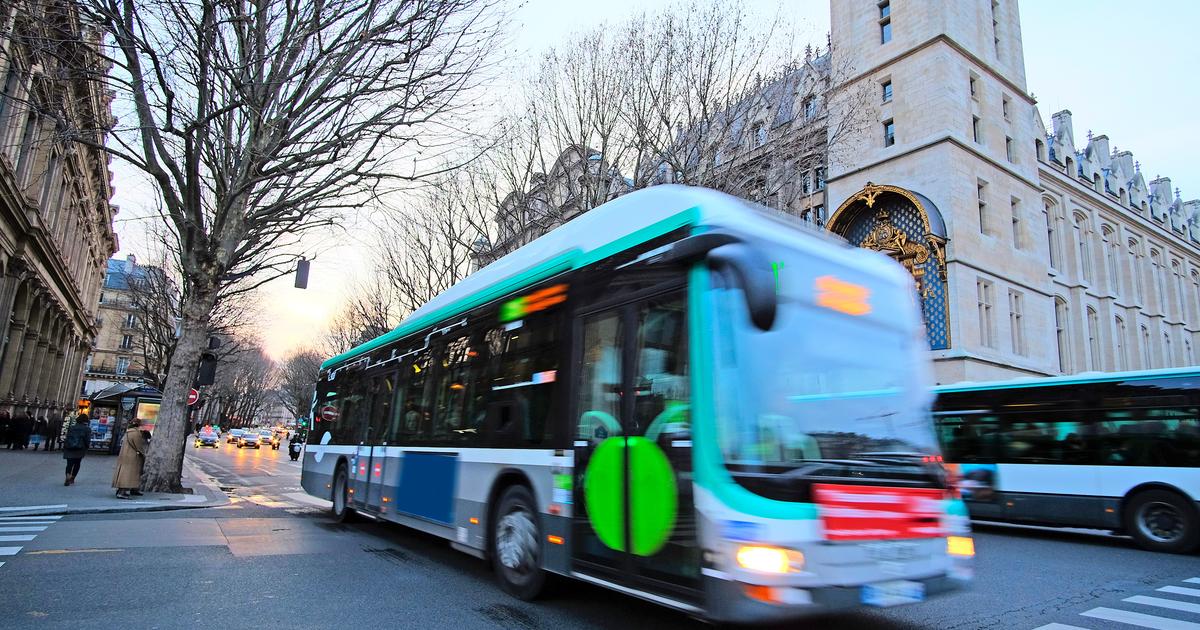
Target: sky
1124	69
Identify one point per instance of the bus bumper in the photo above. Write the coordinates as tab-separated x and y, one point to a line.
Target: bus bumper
733	601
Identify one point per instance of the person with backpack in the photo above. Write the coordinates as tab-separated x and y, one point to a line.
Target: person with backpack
75	446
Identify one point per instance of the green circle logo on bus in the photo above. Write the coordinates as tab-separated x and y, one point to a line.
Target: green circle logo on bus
654	503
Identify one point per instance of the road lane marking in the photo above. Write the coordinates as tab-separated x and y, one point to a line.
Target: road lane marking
21	508
29	523
48	517
1179	590
1140	619
9	551
56	552
18	538
1164	603
40	528
1059	626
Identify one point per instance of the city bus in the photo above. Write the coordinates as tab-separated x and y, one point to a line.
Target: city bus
1115	451
678	396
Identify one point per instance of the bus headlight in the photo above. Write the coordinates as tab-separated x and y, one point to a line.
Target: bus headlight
961	546
765	559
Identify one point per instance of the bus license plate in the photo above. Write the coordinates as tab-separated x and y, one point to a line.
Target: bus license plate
893	593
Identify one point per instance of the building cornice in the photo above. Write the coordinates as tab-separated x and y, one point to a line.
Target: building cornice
931	143
949	41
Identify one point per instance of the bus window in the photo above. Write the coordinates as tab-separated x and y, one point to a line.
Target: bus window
661	402
413	404
457	416
968	438
1149	437
525	380
352	412
383	391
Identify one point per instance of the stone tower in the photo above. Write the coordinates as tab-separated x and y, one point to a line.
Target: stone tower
942	174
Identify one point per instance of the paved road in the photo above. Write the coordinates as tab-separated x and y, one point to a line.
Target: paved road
272	557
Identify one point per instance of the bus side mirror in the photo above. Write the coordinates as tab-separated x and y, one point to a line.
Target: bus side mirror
754	276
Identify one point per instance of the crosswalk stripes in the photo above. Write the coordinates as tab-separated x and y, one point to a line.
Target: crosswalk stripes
21	529
1149	611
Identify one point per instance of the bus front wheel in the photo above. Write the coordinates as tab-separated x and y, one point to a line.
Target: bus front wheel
340	497
516	544
1160	520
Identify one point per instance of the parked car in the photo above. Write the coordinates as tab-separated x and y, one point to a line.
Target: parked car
233	435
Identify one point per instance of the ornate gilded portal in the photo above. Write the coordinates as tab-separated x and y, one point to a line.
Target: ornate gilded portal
908	227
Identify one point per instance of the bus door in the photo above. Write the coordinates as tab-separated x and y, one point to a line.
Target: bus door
370	462
634	522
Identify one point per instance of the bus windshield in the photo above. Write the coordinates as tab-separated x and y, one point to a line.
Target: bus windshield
821	385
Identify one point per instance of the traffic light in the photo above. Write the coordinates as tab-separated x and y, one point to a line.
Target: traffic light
206	373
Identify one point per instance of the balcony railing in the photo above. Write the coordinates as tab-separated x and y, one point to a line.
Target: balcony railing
111	369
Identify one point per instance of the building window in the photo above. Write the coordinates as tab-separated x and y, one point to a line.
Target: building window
974	85
996	27
760	135
981	197
1146	362
805	182
1093	325
102	297
976	130
127	342
130	320
1061	335
810	107
1135	271
1051	233
1108	242
887	91
1005	107
1178	293
818	213
1008	149
1015	210
820	174
122	365
885	22
1122	353
889	133
1016	322
1160	286
1082	240
987	327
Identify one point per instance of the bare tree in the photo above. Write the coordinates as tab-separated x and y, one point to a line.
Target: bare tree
297	380
244	388
260	121
370	310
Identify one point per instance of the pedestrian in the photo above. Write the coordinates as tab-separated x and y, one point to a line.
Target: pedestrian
5	429
75	446
54	434
127	478
24	430
37	433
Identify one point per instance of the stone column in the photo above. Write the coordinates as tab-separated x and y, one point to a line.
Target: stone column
8	296
29	348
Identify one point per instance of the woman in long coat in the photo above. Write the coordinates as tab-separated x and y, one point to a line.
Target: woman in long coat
128	475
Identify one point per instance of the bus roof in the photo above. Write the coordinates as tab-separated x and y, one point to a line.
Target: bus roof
620	224
1072	379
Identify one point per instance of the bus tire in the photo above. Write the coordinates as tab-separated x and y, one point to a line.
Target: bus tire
516	544
340	495
1161	520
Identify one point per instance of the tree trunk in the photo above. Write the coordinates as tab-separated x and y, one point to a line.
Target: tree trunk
164	462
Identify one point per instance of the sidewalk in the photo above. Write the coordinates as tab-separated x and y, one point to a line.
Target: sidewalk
31	482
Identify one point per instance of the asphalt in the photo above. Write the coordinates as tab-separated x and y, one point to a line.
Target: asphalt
272	557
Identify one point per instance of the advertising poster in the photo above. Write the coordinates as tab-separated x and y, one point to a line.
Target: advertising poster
147	414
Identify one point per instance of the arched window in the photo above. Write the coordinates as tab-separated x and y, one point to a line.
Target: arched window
1039	148
1119	345
1135	270
1048	209
1061	312
1111	252
1159	274
1168	355
1146	362
1083	242
1179	291
1093	332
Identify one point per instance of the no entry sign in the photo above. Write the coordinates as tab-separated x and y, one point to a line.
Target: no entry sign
329	413
193	396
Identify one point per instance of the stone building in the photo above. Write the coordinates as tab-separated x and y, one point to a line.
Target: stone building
1032	256
123	347
55	217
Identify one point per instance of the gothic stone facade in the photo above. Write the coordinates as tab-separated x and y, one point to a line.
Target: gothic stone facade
1032	257
55	217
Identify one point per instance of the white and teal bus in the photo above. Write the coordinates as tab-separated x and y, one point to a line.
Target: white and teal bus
678	396
1116	451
